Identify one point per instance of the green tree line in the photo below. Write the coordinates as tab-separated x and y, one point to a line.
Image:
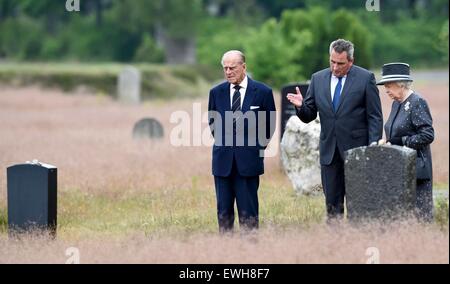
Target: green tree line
285	40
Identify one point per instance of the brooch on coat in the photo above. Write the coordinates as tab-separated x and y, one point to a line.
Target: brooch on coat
407	106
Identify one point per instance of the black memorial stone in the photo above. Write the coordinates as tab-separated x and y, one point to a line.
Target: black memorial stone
32	197
380	182
288	109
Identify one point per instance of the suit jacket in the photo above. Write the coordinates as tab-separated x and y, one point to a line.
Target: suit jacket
410	124
257	105
358	120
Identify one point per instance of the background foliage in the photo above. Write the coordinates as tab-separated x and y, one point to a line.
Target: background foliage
285	40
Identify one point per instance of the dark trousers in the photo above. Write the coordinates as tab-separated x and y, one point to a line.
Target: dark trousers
333	183
242	189
424	200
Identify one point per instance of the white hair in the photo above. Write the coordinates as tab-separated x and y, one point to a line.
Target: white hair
404	84
234	52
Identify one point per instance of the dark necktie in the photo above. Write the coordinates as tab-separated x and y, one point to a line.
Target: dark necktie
337	94
236	105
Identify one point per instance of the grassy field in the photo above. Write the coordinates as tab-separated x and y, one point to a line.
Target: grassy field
169	212
182	211
179	226
122	200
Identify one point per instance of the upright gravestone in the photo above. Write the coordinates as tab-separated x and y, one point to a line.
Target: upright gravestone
129	85
32	197
288	109
380	182
148	128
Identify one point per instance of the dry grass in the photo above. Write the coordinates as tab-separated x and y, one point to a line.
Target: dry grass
407	242
122	200
89	139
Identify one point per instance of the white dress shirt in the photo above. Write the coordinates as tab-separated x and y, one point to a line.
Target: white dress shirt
242	90
333	84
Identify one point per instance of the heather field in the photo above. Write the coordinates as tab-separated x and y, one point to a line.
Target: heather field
128	201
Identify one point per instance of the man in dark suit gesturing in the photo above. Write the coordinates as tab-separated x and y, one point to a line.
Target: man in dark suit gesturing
347	99
241	118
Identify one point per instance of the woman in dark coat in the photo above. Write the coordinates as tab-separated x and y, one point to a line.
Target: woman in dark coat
410	125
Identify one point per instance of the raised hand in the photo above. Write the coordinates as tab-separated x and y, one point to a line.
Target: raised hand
295	99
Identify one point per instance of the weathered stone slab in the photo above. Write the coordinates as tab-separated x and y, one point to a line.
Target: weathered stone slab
148	128
380	181
129	85
300	155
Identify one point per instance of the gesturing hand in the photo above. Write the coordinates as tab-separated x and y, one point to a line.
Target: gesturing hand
295	99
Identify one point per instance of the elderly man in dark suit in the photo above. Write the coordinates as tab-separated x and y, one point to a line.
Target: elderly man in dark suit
410	124
347	100
242	121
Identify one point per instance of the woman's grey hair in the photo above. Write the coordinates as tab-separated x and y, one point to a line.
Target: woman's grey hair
404	84
341	45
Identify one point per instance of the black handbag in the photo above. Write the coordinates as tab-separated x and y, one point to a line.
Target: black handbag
423	170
